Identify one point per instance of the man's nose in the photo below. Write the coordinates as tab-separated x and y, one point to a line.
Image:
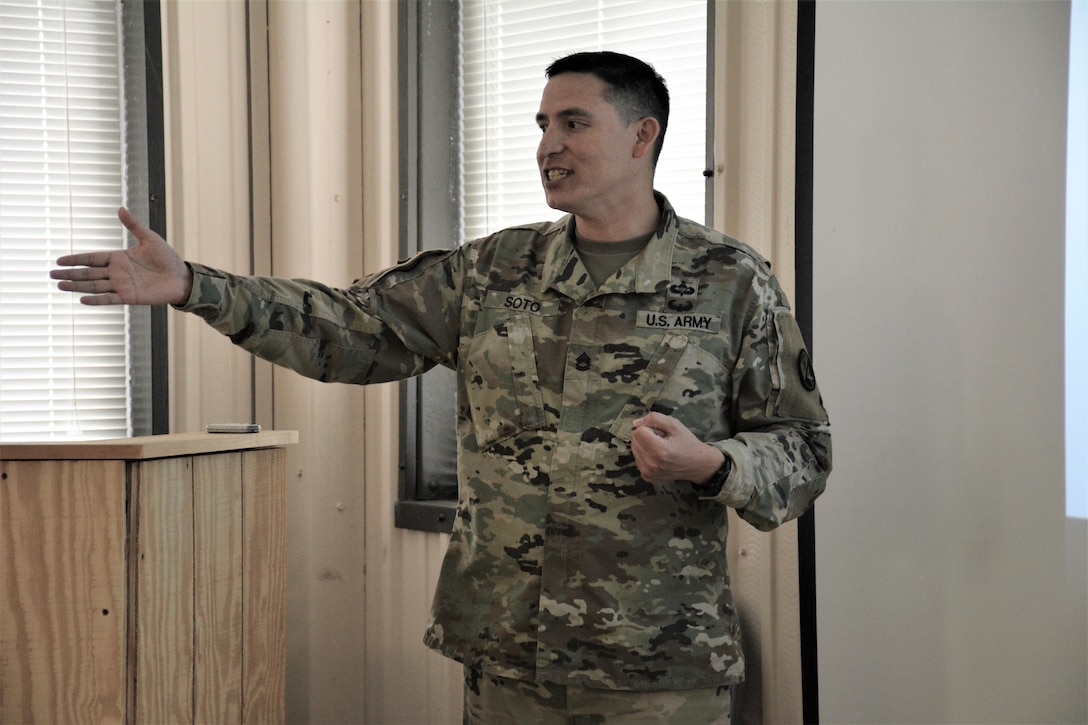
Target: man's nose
550	143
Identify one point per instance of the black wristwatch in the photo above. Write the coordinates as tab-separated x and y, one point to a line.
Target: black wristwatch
716	481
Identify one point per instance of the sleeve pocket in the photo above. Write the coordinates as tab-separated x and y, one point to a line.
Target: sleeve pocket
795	393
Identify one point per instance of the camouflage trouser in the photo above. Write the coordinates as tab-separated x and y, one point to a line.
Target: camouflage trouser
491	700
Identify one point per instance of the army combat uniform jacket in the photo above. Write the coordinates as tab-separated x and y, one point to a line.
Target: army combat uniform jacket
564	565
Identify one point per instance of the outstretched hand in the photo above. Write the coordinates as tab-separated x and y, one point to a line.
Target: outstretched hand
666	450
151	273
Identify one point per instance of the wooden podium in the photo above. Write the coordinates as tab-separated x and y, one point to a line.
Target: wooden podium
143	580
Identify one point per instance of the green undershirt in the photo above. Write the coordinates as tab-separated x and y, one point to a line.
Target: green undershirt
604	259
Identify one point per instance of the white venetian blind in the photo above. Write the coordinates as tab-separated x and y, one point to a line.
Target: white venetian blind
63	367
507	44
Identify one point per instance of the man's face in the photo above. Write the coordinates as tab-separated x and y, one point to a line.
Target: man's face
587	155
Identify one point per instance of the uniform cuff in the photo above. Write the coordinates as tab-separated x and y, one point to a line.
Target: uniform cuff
736	491
198	298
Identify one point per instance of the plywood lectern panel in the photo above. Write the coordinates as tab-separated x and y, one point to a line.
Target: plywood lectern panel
164	587
217	492
264	604
146	590
62	637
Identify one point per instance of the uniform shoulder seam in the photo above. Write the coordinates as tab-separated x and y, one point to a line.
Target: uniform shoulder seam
712	236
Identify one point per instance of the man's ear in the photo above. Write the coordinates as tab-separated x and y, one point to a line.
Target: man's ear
647	130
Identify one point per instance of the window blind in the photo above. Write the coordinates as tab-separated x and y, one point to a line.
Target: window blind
63	367
507	44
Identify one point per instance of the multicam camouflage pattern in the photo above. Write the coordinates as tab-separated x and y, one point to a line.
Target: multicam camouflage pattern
564	565
492	699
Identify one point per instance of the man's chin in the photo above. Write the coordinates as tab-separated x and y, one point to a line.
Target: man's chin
558	203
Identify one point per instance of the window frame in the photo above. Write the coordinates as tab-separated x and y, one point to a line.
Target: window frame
145	195
429	86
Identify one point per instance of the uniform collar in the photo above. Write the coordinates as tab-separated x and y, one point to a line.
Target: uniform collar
647	273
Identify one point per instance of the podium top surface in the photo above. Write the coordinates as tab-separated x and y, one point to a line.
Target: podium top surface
146	447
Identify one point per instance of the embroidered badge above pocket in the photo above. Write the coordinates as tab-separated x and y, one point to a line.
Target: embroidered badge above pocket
675	321
499	299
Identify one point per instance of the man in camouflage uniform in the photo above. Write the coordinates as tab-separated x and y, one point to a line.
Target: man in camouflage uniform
624	376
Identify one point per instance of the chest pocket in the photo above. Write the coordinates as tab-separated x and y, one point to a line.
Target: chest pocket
501	381
682	380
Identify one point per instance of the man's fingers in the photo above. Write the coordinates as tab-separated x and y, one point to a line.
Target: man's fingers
84	259
662	425
132	223
127	218
98	291
107	299
94	286
81	274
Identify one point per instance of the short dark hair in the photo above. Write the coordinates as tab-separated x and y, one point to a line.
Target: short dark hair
634	87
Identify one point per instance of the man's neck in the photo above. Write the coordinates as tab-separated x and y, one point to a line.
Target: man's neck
636	220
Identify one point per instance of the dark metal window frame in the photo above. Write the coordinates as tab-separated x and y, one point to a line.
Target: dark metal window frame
806	525
430	218
145	195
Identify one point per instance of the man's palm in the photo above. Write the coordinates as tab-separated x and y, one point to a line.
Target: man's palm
151	273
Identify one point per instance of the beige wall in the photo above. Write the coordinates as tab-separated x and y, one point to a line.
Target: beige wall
291	185
951	586
754	163
406	682
282	159
207	132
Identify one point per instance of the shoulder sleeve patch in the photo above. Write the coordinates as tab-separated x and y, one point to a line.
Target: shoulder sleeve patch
796	394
